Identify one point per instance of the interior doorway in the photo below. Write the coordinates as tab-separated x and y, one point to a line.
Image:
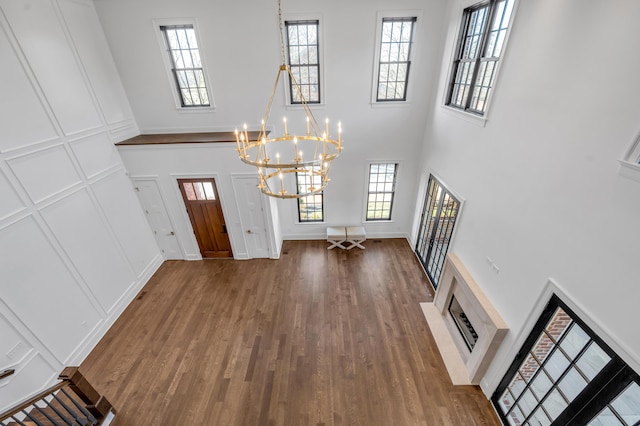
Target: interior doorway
252	207
154	207
439	216
205	212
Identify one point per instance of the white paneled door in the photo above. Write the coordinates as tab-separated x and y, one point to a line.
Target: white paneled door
158	217
252	215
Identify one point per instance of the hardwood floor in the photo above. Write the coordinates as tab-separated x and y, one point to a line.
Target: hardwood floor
318	337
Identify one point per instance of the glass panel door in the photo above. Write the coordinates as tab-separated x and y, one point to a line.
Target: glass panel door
438	218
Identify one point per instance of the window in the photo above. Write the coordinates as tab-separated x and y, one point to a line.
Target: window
310	208
566	375
394	59
480	44
382	182
439	216
304	59
198	191
186	65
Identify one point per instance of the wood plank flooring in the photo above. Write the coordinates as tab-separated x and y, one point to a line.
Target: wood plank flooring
318	337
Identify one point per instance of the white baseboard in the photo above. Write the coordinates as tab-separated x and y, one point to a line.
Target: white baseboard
98	332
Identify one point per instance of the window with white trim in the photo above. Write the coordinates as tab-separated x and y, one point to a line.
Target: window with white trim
480	44
381	190
303	50
186	65
394	58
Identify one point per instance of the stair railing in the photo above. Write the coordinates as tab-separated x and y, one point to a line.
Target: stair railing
72	401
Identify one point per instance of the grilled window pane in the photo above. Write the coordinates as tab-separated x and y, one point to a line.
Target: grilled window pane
381	191
303	56
394	60
593	361
478	52
310	208
627	405
186	64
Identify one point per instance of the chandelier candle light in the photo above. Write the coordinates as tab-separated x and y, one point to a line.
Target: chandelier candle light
310	152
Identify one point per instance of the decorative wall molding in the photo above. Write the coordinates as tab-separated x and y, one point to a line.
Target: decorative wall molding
123	130
32	170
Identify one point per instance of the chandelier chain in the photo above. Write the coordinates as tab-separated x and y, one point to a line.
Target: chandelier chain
280	22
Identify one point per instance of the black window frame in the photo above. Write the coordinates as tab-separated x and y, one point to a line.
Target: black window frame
299	65
392	192
440	212
175	70
479	59
389	63
304	185
612	379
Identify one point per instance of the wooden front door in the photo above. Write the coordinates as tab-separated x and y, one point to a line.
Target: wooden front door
205	212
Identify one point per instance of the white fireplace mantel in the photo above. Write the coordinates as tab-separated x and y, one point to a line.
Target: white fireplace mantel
465	366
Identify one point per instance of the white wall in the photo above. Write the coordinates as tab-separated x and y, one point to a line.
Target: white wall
239	41
542	184
74	245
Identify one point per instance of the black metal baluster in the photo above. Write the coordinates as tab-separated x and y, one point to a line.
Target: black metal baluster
70	411
81	407
44	413
19	422
33	419
60	414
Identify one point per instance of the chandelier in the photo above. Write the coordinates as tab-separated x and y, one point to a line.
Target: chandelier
308	152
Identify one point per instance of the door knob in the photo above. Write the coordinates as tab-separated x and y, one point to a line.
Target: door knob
171	233
249	231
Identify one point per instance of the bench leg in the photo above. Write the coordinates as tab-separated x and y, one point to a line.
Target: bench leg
336	243
355	243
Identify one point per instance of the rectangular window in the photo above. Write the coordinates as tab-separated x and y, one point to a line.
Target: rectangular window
382	182
395	58
480	44
439	215
310	208
304	59
566	375
186	65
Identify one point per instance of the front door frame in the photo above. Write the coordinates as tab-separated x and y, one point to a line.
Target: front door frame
221	196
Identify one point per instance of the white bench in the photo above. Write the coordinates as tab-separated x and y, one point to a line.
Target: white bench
336	236
354	235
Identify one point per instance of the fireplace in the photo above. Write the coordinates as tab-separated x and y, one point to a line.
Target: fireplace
467	328
462	322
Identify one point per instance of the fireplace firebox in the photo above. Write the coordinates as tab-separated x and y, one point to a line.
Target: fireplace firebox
463	323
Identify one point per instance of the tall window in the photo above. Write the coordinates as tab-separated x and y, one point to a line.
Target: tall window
566	375
480	44
186	65
395	58
382	182
304	60
310	208
439	215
